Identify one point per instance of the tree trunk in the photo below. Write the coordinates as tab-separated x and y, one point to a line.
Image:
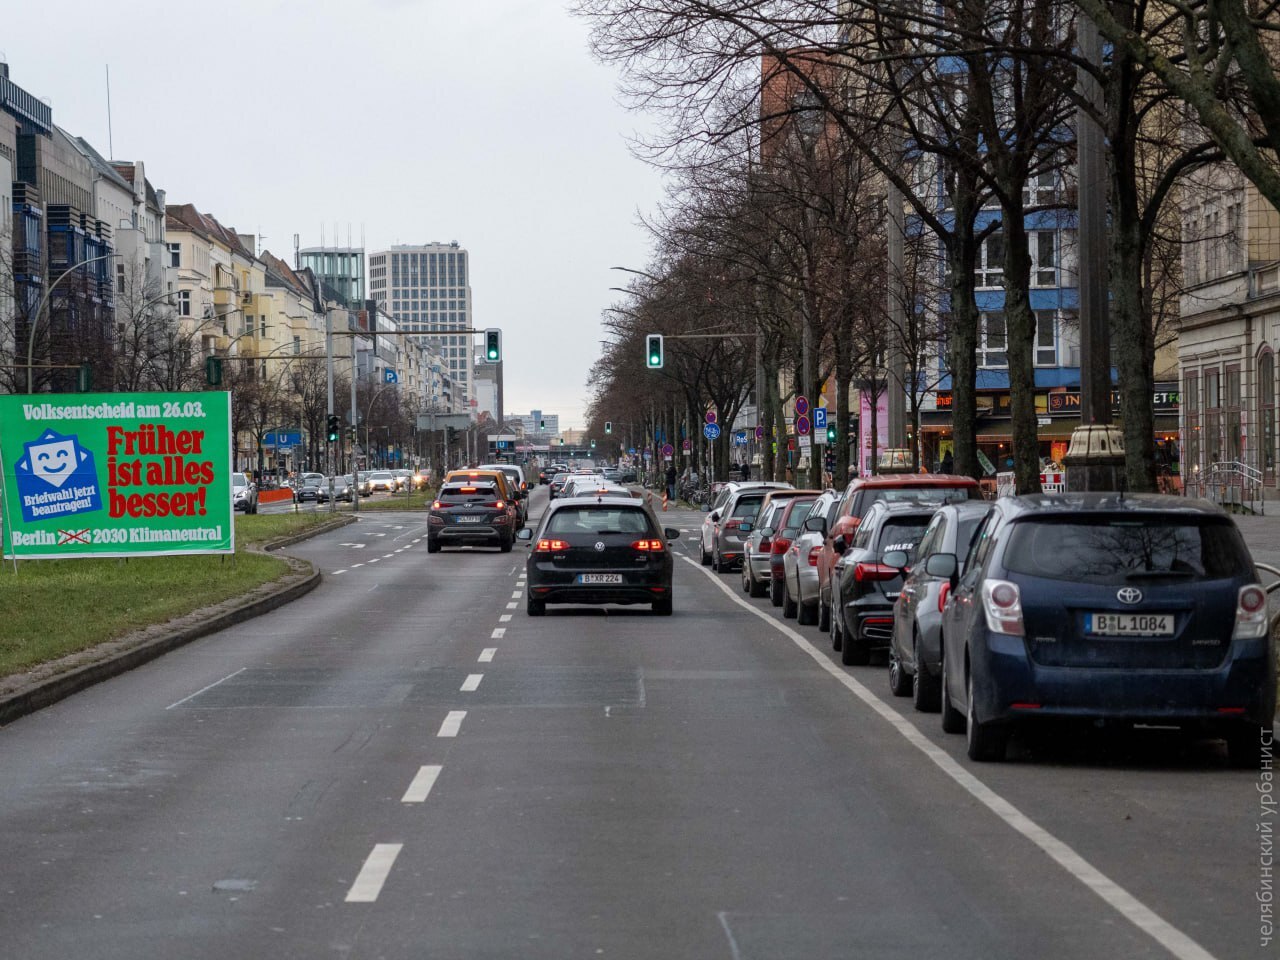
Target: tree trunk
1020	327
962	251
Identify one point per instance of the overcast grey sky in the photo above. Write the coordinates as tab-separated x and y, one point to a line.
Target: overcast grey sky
481	121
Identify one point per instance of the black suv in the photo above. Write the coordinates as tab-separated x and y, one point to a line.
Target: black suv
863	586
469	512
1102	607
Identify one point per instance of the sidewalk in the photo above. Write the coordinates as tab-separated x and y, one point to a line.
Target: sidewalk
1262	536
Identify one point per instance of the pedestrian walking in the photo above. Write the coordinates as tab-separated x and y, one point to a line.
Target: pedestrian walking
746	470
947	464
671	481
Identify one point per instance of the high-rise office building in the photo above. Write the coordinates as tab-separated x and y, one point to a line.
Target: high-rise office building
341	269
427	287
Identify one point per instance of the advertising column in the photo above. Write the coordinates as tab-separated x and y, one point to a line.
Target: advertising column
115	474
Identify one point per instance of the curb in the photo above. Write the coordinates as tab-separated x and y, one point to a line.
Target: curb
39	694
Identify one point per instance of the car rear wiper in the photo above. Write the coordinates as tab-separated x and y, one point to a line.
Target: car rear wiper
1159	574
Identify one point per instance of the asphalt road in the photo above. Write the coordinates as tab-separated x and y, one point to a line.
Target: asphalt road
403	765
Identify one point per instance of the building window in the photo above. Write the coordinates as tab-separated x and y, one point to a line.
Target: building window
990	272
1040	189
992	341
1267	410
1231	418
119	278
1046	338
184	303
1191	423
175	254
297	345
1213	415
1044	258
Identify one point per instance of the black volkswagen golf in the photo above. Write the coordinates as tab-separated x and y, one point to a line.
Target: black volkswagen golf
1139	609
598	549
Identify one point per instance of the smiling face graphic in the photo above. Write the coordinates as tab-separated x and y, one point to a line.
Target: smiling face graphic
53	462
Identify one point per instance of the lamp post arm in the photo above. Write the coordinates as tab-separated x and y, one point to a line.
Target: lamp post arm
31	338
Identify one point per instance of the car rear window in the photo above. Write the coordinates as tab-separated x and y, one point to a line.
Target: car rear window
598	520
903	533
797	516
747	507
462	492
920	494
1119	550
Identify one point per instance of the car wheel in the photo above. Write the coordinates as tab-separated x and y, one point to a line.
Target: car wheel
952	719
924	685
899	680
534	608
806	613
837	626
855	652
824	616
505	544
662	608
702	554
758	587
433	546
983	741
789	608
1244	747
775	593
746	580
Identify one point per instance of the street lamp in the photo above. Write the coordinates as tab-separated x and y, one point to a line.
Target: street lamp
808	122
44	300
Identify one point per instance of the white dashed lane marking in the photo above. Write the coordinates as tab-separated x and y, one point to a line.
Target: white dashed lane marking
472	683
486	655
505	618
512	605
498	633
374	873
452	723
422	784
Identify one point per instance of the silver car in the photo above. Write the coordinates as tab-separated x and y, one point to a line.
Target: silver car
915	657
800	563
755	555
722	539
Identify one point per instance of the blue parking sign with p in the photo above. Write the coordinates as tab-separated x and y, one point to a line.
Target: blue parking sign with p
819	418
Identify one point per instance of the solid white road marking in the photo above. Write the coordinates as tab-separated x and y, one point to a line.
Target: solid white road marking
472	683
452	723
498	633
374	873
486	655
422	784
505	618
1128	906
203	689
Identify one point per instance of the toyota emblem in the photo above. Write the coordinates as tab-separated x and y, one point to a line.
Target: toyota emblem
600	548
1129	595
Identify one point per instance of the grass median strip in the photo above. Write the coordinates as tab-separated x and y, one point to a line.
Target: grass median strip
58	607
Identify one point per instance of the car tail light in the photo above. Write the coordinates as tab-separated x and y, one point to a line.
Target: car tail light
648	546
943	593
1002	603
765	545
814	553
550	546
867	572
732	524
437	505
469	489
779	546
499	505
1251	613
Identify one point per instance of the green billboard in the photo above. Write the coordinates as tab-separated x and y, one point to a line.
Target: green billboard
115	474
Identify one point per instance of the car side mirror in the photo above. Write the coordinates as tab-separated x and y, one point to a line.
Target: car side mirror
816	525
524	534
746	526
895	558
944	566
715	517
671	533
839	545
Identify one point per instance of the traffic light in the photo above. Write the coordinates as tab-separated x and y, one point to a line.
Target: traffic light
84	378
608	426
213	371
653	351
831	433
335	427
593	444
493	345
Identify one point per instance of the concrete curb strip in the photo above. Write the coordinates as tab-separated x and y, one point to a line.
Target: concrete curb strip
118	656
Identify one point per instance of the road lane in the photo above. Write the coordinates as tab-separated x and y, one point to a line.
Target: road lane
620	785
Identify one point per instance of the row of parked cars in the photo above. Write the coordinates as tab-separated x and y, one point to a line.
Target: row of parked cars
1099	607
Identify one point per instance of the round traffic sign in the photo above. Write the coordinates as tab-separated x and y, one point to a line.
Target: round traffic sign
668	449
711	431
711	416
686	445
760	432
802	407
802	425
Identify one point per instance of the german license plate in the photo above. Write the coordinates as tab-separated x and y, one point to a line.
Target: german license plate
599	578
469	519
1129	624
